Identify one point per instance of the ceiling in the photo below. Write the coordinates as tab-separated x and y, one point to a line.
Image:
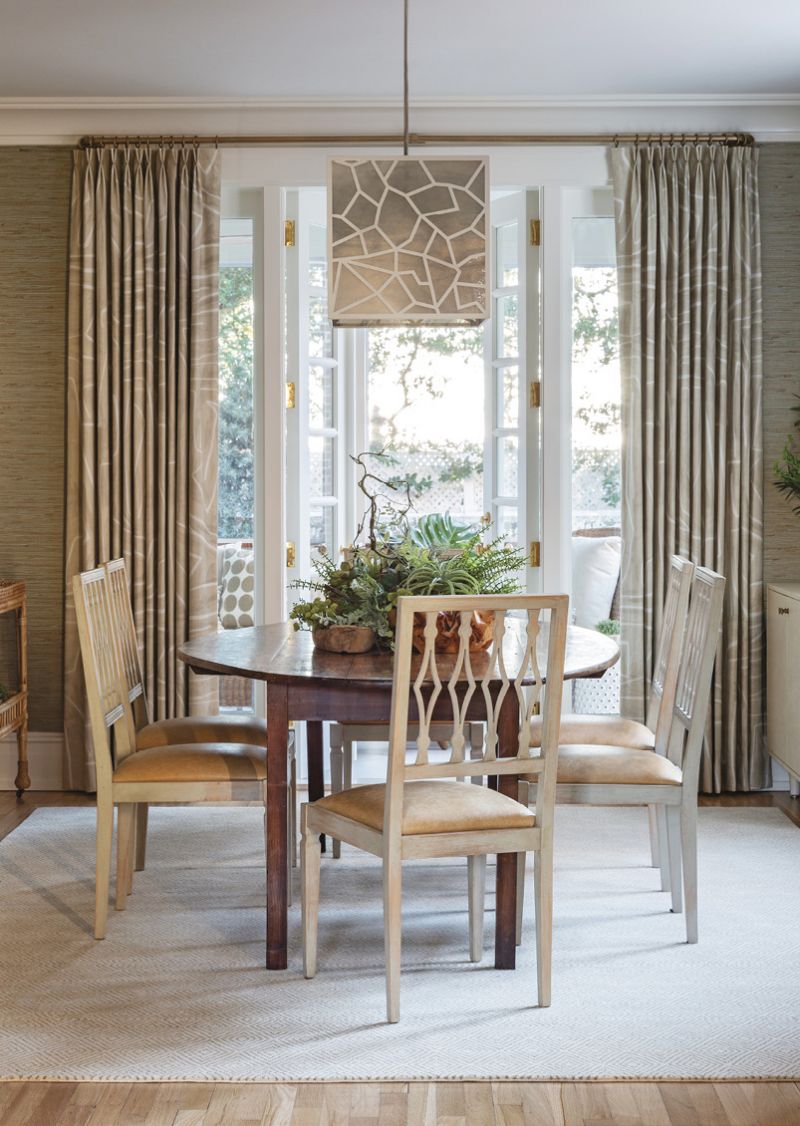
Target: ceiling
353	48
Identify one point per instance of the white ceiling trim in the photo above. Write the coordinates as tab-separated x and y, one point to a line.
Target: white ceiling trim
770	117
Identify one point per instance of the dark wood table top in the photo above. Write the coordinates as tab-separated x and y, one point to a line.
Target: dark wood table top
279	653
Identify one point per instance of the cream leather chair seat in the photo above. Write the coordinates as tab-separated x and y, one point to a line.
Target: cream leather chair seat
204	729
431	807
589	764
199	762
612	730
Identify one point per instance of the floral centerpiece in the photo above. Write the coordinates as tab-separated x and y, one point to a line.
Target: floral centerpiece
401	556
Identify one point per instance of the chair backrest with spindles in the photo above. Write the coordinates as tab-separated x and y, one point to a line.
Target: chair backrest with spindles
119	595
109	708
693	692
501	685
665	671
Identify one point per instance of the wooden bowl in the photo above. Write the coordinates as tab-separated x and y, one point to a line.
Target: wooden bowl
344	639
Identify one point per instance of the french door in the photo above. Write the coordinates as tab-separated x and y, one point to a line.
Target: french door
453	410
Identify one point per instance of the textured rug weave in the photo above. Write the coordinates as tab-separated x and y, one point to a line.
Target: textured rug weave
178	990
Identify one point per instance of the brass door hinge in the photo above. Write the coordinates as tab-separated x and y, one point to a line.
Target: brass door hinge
535	554
536	393
288	232
291	396
536	232
291	554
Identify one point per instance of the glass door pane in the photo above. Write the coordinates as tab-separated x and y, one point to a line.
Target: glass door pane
315	447
512	366
236	483
425	413
596	445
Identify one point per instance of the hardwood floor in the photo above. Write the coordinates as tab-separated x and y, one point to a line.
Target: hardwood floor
396	1104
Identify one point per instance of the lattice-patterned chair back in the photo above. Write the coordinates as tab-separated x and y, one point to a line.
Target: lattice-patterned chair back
665	671
109	709
509	677
119	595
693	692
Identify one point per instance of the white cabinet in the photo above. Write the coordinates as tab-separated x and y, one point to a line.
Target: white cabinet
783	672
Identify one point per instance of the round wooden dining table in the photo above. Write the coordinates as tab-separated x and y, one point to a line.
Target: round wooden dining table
306	684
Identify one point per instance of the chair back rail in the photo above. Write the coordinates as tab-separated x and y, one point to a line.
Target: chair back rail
120	599
528	631
665	672
109	708
693	690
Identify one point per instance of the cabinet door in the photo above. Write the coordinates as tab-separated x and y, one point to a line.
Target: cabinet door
783	700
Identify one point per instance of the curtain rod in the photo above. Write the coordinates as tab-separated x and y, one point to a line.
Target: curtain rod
422	139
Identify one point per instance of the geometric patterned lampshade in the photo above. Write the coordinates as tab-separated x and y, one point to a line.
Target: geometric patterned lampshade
407	240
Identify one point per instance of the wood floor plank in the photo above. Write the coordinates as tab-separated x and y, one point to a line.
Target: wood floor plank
760	1104
479	1108
279	1104
421	1105
533	1104
691	1103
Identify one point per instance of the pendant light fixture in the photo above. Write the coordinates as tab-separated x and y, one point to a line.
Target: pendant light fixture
407	236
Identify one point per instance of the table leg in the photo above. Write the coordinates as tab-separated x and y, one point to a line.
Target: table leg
505	949
316	768
276	854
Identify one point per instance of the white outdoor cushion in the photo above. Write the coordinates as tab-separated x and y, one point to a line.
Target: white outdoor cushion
595	572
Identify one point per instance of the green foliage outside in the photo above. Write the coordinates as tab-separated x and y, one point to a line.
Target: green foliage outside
235	503
596	335
408	357
787	471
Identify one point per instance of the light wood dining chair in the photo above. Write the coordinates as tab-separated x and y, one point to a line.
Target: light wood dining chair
592	774
420	811
344	737
616	730
128	776
248	729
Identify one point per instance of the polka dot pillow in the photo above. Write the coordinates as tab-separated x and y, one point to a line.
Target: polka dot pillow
237	600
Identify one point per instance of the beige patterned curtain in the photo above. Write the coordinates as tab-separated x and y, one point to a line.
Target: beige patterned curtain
142	409
688	250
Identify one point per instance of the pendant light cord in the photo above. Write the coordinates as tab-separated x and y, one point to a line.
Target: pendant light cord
405	78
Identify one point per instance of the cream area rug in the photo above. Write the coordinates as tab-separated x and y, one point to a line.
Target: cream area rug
178	991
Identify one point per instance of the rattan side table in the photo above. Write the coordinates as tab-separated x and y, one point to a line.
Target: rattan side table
14	710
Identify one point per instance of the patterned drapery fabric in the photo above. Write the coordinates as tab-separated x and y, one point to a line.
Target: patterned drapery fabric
688	250
142	410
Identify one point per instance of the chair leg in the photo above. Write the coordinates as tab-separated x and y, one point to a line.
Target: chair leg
105	836
652	820
336	776
310	857
126	819
476	876
523	796
663	846
674	845
392	931
689	852
543	894
141	834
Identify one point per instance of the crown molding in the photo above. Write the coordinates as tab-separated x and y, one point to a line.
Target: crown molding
769	117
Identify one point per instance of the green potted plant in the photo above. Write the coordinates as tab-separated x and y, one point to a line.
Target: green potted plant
352	605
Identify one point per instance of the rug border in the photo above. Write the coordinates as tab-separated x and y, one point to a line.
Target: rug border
316	1080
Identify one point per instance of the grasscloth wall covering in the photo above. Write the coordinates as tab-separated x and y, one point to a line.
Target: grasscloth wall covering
34	219
779	179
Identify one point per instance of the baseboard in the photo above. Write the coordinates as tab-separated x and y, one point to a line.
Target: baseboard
45	751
